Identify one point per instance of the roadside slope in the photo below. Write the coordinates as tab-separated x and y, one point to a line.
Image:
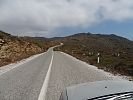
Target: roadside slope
116	53
13	48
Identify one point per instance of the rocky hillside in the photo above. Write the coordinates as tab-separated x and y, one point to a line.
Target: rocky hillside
13	48
116	53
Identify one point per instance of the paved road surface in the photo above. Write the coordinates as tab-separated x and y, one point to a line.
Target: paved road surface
25	81
67	71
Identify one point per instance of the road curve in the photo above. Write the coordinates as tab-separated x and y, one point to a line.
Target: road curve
26	81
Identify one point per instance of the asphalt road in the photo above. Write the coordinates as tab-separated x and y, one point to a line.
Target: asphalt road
31	80
68	71
24	82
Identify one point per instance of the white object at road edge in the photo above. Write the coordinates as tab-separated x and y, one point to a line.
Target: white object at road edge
43	92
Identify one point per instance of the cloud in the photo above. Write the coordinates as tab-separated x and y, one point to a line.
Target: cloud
25	17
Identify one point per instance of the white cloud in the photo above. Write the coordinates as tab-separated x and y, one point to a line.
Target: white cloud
29	16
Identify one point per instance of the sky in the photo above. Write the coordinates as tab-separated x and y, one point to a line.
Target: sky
51	18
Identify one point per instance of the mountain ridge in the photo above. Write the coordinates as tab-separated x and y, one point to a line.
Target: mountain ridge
116	52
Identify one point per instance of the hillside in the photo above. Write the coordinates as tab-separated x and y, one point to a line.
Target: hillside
116	53
14	48
42	42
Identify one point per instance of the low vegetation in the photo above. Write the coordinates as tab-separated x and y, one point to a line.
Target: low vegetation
116	53
13	48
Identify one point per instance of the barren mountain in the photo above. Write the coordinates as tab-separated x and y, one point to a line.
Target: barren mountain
116	53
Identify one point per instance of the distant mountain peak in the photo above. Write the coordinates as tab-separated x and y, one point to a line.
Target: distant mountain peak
82	34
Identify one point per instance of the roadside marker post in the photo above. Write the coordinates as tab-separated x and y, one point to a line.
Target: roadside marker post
98	59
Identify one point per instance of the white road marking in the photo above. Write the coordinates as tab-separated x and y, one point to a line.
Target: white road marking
43	92
12	66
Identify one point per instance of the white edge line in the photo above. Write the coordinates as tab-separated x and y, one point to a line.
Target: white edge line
42	95
115	77
7	68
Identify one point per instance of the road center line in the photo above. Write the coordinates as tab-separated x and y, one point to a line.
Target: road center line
42	95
